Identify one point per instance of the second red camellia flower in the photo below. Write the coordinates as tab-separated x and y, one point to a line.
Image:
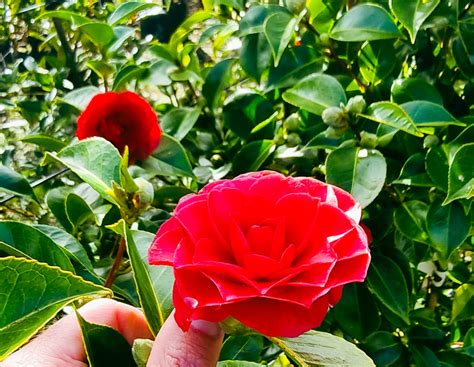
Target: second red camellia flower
124	119
270	251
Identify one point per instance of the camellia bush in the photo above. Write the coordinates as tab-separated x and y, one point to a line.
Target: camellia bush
300	171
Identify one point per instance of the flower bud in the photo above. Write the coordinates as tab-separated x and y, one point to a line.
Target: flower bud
295	6
356	105
430	141
292	122
324	39
335	117
145	194
368	140
293	140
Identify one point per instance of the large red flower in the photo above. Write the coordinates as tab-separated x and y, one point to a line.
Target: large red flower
124	119
270	251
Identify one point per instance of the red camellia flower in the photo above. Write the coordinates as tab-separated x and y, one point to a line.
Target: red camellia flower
124	119
270	251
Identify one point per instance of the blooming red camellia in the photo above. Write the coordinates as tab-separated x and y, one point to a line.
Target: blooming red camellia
270	251
124	119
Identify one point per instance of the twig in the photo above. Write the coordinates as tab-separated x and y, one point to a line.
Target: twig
116	265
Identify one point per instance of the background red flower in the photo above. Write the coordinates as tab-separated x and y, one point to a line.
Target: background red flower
270	251
124	119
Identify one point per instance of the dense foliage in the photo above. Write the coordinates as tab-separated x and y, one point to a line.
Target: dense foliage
372	96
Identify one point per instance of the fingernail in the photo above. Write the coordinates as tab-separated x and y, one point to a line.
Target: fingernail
211	329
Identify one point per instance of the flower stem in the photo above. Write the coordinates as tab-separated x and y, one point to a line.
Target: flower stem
116	264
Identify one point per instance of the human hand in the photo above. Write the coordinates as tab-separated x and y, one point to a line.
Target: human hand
61	344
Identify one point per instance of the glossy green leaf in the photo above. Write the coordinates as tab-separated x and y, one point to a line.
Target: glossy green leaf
81	97
14	183
56	201
357	170
424	113
414	172
448	226
101	34
412	14
254	20
414	89
376	61
278	29
141	351
69	16
424	356
169	159
247	348
179	121
74	248
153	308
53	289
252	155
237	364
393	115
28	241
356	312
127	10
410	220
384	348
255	55
387	282
365	22
437	167
461	174
49	143
77	210
126	75
463	303
315	348
96	161
101	68
315	93
216	80
104	346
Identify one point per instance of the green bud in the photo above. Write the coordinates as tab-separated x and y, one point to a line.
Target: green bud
145	193
332	133
430	141
295	6
324	39
368	140
292	122
335	117
356	105
293	140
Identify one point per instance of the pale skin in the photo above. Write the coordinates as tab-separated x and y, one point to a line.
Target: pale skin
61	344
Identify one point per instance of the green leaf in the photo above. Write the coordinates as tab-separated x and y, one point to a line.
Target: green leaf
179	121
387	282
414	89
80	98
96	161
141	351
424	356
412	14
126	75
376	61
69	16
74	248
30	242
77	210
315	348
121	35
246	348
315	93
424	113
278	29
463	303
410	220
356	312
169	159
26	309
255	55
254	20
216	80
365	22
391	114
49	143
252	156
101	34
105	346
101	68
357	170
384	347
437	167
461	175
56	201
414	172
14	183
237	364
448	226
127	10
153	308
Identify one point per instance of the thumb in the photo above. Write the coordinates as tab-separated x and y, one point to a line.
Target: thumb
198	347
